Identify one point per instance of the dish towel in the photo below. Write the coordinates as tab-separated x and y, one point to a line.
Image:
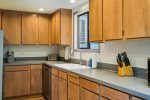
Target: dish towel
67	53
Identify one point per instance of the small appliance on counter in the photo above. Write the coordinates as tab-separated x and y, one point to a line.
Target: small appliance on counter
10	57
148	71
52	57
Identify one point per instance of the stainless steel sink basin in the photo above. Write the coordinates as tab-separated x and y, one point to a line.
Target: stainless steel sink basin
72	66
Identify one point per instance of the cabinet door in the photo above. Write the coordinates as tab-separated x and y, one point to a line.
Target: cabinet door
29	28
62	89
66	26
102	98
95	20
54	87
112	26
52	29
136	18
57	28
43	29
87	95
73	91
11	25
36	79
110	93
0	20
16	82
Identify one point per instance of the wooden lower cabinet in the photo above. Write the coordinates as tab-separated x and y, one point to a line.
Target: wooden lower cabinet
135	98
89	85
87	95
22	80
62	89
54	87
36	79
73	91
102	98
16	81
112	94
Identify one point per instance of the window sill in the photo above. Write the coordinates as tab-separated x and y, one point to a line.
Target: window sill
87	50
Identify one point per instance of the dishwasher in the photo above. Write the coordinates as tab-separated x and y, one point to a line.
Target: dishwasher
46	82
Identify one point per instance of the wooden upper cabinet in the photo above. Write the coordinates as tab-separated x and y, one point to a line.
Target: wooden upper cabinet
112	19
95	21
29	28
136	22
58	28
66	27
52	29
11	25
43	29
0	20
61	27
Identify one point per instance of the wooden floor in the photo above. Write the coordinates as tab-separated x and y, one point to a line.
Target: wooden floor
27	98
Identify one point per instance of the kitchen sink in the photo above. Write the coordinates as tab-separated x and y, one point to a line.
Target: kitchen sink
72	66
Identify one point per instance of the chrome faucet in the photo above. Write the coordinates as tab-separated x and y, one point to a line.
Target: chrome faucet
81	61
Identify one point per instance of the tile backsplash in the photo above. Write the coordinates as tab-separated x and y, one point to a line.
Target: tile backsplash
31	50
138	51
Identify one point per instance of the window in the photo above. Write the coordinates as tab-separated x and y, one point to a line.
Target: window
83	33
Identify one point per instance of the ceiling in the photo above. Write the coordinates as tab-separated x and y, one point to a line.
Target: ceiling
34	5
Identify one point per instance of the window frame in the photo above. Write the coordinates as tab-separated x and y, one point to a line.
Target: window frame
78	42
75	14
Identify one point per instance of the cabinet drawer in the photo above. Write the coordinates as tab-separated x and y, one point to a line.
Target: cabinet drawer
87	95
63	75
73	78
16	68
36	67
94	87
102	98
135	98
113	94
55	71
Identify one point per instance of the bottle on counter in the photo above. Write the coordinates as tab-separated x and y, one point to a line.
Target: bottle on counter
89	62
94	60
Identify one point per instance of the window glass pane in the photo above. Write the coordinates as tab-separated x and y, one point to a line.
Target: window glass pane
94	46
83	31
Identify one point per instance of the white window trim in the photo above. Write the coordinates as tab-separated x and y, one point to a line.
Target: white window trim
75	49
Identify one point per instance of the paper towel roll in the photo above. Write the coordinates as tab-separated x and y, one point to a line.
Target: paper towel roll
94	61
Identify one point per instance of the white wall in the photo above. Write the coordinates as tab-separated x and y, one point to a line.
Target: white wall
31	50
138	50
